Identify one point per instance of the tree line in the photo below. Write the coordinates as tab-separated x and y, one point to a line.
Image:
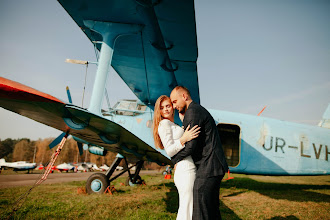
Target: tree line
38	151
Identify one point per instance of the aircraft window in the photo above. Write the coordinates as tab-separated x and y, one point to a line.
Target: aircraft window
129	107
123	105
132	106
230	139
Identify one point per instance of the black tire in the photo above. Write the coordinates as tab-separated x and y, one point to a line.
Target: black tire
97	183
138	181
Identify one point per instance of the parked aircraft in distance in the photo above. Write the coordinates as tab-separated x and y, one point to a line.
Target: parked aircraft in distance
153	48
64	167
17	166
104	167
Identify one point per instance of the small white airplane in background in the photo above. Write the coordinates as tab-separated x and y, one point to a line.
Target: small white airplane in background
104	167
64	167
17	166
94	167
118	168
82	168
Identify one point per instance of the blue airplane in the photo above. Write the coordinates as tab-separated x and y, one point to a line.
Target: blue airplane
152	45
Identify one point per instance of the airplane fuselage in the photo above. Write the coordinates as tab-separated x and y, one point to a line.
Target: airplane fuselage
254	144
17	166
274	147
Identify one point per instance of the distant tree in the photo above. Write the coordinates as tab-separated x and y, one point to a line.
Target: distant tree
152	166
95	159
7	148
24	150
9	157
109	158
69	152
43	153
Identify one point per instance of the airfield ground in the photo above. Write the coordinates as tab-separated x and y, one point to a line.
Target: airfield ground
11	179
245	197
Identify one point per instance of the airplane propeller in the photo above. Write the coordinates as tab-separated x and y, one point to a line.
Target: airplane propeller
57	140
69	94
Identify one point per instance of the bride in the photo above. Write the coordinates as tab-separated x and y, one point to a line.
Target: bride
171	137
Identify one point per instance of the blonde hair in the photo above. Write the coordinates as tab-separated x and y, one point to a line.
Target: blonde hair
157	118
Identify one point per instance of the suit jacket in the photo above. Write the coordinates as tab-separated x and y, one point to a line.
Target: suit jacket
206	150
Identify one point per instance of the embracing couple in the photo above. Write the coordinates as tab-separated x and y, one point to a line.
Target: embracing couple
195	149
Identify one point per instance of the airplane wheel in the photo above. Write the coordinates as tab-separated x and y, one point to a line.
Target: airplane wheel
129	183
97	183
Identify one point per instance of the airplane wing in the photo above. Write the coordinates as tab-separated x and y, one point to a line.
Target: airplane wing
152	62
91	128
161	57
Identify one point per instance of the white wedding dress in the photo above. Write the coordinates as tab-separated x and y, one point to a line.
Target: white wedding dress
185	173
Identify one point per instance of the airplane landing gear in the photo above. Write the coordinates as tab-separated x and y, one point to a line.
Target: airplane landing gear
98	182
138	181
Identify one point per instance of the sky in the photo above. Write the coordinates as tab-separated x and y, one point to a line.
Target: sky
251	54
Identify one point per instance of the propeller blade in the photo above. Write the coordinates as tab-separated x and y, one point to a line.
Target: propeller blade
57	140
80	147
69	94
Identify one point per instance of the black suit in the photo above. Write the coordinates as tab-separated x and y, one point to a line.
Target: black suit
208	156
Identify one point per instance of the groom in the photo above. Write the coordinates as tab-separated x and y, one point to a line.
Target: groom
207	153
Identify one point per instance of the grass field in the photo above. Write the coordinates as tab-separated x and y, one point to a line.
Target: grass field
245	197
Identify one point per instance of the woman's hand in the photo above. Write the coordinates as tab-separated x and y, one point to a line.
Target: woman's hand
188	135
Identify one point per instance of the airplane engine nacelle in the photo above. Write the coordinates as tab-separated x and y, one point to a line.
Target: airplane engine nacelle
97	150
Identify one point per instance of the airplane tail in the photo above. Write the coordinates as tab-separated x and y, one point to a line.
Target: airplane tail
325	122
2	161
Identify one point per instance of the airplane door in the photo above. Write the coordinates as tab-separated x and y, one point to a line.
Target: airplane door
230	139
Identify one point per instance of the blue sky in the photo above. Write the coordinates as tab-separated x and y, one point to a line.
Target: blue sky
252	53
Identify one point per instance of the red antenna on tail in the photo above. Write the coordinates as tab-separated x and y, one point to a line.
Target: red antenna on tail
262	110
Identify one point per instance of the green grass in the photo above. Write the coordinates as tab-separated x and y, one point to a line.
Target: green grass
245	197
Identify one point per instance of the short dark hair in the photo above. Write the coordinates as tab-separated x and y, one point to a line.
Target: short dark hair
182	88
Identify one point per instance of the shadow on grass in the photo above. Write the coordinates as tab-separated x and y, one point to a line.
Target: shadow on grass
119	191
227	213
289	217
172	198
292	192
